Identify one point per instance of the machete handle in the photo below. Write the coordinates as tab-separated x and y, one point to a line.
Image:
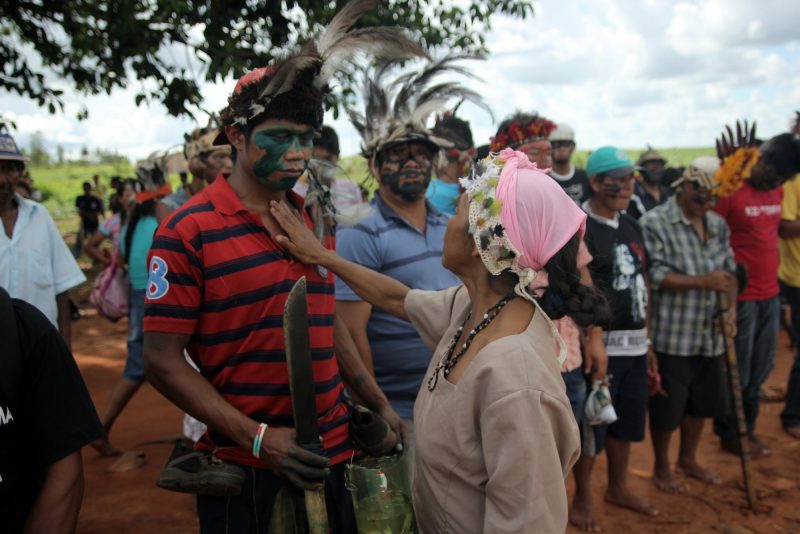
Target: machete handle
315	499
314	446
316	511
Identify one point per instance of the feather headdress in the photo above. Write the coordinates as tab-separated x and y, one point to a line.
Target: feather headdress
294	86
201	140
397	111
738	155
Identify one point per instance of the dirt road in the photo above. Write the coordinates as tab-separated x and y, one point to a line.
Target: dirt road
129	502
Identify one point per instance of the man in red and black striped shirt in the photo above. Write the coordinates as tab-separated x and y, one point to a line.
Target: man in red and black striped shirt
217	287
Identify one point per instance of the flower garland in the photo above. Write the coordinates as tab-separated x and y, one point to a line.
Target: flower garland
497	252
735	169
516	135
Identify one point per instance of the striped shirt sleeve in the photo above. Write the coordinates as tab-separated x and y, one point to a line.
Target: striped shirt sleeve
174	283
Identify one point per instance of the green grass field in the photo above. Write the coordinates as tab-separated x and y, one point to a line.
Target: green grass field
60	184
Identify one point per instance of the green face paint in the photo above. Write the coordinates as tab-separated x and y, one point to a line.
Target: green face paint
275	142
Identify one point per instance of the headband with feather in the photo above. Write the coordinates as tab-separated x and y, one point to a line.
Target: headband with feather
294	86
397	111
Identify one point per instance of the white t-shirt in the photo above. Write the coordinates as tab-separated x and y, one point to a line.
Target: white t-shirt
35	264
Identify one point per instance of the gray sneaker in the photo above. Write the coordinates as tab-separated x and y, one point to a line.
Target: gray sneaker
201	473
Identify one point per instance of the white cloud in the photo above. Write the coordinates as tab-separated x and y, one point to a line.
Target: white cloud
622	72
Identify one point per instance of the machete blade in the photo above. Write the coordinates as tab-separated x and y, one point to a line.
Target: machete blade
301	371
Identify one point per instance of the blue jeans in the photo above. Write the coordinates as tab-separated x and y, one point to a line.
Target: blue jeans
134	364
576	391
757	323
790	416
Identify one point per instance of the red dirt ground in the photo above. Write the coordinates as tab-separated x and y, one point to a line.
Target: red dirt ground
123	502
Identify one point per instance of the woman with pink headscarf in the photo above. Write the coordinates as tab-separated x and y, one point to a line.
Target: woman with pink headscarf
495	435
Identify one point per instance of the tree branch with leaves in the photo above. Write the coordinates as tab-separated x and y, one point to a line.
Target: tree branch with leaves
169	47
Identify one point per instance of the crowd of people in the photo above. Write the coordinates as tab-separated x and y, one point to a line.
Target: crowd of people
508	315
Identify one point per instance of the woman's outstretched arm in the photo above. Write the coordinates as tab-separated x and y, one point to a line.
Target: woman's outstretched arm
379	290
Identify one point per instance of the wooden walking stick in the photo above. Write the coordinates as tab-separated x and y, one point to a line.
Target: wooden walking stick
736	396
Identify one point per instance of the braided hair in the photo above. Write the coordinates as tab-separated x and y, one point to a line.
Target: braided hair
566	295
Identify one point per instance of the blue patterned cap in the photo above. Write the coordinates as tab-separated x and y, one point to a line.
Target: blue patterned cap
8	148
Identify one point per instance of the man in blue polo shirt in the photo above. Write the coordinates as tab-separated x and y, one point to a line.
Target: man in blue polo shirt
402	238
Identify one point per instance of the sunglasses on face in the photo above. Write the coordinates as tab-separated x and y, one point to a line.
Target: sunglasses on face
403	152
561	144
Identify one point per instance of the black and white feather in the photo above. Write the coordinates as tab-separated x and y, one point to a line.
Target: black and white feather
333	49
398	110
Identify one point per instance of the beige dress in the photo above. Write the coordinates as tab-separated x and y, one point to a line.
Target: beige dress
492	451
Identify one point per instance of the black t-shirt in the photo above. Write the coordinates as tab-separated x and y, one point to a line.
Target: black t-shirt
575	185
91	205
618	268
52	418
642	201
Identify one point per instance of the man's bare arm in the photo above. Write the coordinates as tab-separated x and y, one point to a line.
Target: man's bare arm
92	248
714	281
355	315
359	381
789	229
170	373
59	501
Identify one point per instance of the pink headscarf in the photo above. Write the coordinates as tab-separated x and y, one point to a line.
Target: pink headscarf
538	216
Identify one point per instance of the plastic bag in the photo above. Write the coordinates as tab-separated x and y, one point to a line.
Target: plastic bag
599	410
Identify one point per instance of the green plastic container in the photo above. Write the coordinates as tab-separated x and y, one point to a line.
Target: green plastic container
382	495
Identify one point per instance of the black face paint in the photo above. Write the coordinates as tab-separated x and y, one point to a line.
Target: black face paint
611	190
410	190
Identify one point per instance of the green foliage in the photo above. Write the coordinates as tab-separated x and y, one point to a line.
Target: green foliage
97	45
676	157
60	184
37	154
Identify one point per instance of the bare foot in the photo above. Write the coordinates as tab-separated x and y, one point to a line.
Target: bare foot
666	481
625	499
105	448
695	470
758	449
582	517
793	431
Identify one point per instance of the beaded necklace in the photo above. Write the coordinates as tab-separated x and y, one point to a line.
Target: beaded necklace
448	361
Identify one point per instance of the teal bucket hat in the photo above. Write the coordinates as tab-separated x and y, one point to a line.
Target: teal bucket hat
610	161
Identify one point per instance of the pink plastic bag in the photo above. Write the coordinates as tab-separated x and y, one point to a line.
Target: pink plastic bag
110	293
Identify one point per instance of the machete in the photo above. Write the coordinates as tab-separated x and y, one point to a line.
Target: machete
301	385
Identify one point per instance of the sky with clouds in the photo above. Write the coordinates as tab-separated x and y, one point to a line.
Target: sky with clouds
622	72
